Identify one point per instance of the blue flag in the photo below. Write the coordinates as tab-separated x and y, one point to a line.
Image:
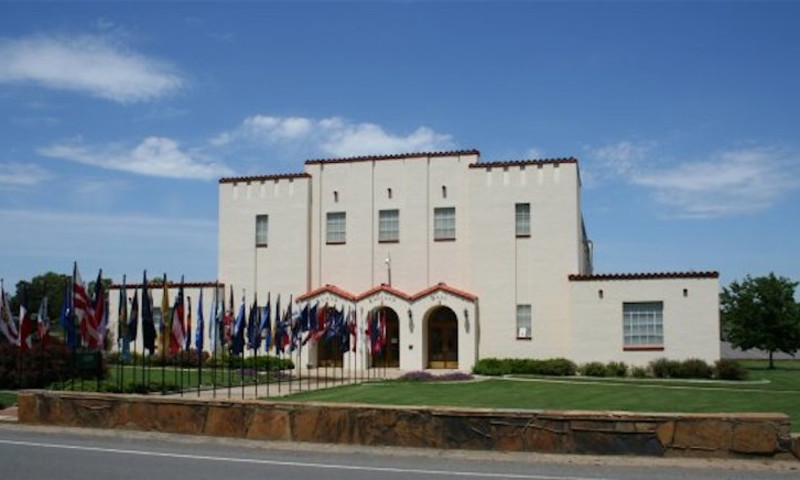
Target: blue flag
67	320
198	334
148	325
238	331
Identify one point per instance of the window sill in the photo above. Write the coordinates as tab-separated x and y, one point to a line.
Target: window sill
388	241
336	243
643	348
525	338
444	239
261	245
523	235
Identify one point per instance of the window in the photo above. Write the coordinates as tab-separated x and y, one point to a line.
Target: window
262	227
523	219
444	223
389	225
335	228
523	321
643	325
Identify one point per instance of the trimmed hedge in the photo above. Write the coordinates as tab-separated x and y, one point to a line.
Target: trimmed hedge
593	369
730	370
37	367
560	367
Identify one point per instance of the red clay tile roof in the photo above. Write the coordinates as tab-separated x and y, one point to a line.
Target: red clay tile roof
333	289
368	158
517	163
445	288
383	288
262	178
117	286
643	276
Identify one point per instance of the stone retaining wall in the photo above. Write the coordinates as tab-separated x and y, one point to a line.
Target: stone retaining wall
615	433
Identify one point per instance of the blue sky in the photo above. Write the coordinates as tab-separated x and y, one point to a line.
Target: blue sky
118	118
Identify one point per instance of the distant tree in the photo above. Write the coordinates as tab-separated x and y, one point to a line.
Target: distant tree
761	313
54	285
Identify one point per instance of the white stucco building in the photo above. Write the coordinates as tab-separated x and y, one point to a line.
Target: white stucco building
467	259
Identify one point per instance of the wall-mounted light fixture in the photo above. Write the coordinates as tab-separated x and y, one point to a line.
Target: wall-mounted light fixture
466	320
410	321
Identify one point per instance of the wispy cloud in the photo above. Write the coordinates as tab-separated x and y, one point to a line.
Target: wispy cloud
154	156
333	136
727	183
22	174
95	65
534	153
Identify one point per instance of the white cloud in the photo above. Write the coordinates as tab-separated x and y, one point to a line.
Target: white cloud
534	153
90	64
154	156
22	174
728	183
333	136
621	158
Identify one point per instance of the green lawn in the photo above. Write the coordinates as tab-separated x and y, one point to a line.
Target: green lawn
171	377
7	398
780	393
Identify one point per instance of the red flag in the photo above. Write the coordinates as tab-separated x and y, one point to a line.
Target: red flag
26	324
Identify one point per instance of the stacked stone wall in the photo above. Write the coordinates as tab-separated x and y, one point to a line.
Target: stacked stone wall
600	433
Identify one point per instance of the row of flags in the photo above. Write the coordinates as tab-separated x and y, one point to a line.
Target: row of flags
89	313
85	319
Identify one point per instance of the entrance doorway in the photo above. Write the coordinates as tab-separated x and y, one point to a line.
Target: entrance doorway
389	355
443	339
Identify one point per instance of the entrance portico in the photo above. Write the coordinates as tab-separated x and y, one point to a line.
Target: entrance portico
435	328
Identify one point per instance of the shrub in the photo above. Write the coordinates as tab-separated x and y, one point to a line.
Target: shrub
525	366
616	369
37	367
417	376
593	369
560	367
664	368
262	363
490	366
695	368
730	370
420	376
453	377
639	372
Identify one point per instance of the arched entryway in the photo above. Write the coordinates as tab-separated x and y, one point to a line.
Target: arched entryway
442	334
386	326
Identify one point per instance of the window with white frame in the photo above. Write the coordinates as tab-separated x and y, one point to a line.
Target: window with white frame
524	321
389	225
522	214
335	228
262	228
643	324
444	223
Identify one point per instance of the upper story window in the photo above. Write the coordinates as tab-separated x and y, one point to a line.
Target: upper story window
389	225
335	228
524	322
523	219
262	229
643	325
444	223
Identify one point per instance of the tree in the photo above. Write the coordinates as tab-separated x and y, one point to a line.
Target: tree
761	313
54	285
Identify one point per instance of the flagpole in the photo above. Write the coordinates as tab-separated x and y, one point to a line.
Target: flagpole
215	331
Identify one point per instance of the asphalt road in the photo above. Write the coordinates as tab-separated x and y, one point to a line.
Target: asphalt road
66	454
